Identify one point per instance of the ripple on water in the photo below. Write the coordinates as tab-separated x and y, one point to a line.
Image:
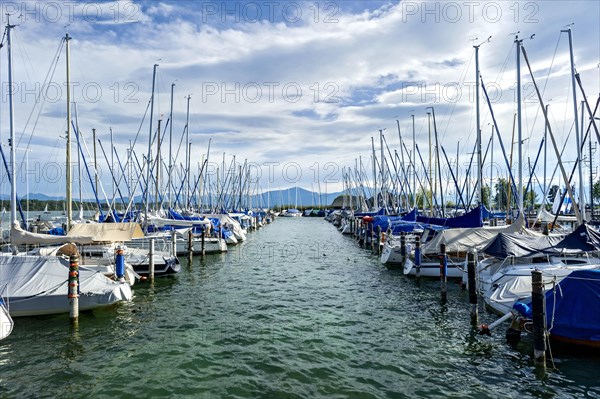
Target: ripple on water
276	318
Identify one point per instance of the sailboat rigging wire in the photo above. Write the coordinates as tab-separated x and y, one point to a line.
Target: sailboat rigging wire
453	105
43	95
537	112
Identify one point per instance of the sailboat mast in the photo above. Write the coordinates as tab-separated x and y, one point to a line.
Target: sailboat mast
375	196
11	110
169	193
414	163
575	118
68	164
158	163
149	155
519	43
187	152
430	194
478	130
382	168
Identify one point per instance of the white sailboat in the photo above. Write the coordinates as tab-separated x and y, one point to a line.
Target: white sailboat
38	285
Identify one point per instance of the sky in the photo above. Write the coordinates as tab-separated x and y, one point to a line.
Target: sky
295	89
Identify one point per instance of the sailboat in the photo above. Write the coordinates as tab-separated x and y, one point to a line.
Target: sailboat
38	285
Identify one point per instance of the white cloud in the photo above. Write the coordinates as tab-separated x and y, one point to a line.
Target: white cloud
381	63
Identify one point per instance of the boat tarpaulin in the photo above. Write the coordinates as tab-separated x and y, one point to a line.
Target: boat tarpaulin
581	240
472	218
107	232
572	308
470	239
18	236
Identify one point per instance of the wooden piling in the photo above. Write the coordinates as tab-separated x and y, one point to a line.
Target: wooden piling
472	282
538	308
73	292
403	247
190	242
203	239
173	243
379	240
443	272
151	260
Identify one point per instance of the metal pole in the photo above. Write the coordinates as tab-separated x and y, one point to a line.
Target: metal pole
151	260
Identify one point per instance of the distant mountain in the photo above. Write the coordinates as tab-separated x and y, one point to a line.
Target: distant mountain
294	197
291	197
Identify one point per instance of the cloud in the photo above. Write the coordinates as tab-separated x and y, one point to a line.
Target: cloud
306	88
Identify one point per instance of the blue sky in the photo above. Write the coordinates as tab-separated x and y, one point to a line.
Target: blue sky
289	82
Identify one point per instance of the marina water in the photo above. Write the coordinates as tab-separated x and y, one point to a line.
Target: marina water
296	311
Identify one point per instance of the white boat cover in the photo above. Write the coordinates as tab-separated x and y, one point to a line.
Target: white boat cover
232	224
546	216
107	232
18	236
160	222
37	285
515	288
469	239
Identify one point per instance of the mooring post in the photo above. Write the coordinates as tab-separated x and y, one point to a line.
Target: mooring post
403	247
372	231
190	242
203	240
538	308
151	259
443	271
120	264
418	256
472	282
174	242
74	288
379	240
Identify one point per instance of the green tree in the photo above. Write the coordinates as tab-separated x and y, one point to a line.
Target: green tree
501	197
596	191
486	192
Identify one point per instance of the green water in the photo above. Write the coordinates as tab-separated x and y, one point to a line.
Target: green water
297	311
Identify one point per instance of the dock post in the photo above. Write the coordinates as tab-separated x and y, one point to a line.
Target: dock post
418	256
538	308
190	245
371	232
203	242
379	241
403	247
151	260
74	288
472	282
173	243
443	272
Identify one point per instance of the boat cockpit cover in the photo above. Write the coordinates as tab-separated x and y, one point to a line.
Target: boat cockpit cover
581	240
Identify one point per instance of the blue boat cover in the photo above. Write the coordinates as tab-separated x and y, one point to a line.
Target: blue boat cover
472	218
487	214
411	216
572	310
380	212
